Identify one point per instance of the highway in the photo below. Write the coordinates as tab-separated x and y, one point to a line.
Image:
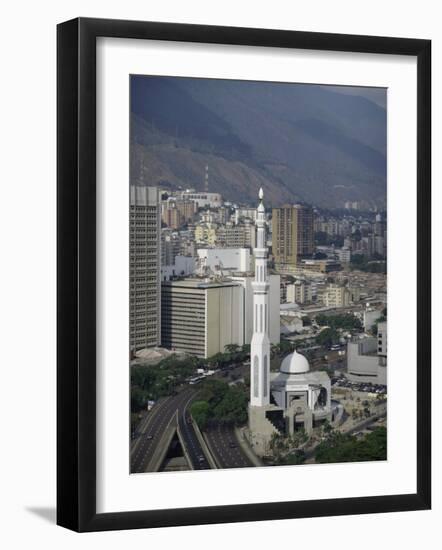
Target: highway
226	448
190	440
152	427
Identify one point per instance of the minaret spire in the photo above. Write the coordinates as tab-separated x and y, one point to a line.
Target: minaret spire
260	345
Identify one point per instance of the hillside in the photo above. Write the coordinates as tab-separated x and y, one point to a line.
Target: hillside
300	142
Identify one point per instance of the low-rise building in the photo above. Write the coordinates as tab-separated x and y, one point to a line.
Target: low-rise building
202	198
299	292
367	359
182	266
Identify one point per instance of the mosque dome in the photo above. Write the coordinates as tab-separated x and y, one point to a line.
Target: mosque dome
294	363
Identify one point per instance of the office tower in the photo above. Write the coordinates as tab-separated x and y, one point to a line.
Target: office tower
201	317
292	234
145	264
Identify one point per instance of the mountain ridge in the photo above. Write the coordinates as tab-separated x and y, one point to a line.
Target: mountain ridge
300	142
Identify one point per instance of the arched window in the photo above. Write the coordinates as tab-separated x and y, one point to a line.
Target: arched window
255	376
265	376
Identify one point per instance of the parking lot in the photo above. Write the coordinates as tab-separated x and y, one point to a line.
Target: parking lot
342	382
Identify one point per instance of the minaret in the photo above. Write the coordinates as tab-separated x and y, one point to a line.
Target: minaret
260	345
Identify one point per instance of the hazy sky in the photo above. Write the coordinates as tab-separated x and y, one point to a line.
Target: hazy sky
377	95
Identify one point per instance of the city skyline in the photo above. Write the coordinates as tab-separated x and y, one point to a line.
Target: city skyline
258	333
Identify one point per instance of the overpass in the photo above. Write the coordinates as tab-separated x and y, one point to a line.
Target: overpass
169	417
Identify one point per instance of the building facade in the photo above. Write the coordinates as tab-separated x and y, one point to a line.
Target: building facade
201	317
292	234
225	260
260	344
246	281
237	236
144	268
203	199
299	292
367	358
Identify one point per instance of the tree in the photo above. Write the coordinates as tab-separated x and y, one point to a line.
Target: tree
294	458
344	321
327	337
245	349
346	448
232	409
232	348
200	411
138	399
306	321
213	390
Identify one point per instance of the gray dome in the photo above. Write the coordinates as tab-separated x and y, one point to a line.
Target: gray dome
295	363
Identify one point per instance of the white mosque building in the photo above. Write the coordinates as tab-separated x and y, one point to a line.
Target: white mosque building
292	398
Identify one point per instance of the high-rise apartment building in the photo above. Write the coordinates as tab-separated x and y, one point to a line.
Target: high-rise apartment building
175	213
292	234
145	265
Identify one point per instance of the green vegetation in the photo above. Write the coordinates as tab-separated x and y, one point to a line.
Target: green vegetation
201	413
220	403
286	450
381	319
155	381
327	337
282	349
345	321
324	239
233	354
340	447
306	321
361	262
294	458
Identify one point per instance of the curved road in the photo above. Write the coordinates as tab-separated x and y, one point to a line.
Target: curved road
152	427
187	431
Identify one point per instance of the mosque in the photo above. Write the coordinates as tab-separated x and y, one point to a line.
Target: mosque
293	398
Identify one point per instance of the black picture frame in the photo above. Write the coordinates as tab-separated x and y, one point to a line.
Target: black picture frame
76	273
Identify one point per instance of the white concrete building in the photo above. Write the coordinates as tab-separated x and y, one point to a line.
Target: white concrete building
225	260
183	266
202	198
260	345
367	358
382	339
300	399
295	398
370	316
307	393
274	303
299	292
